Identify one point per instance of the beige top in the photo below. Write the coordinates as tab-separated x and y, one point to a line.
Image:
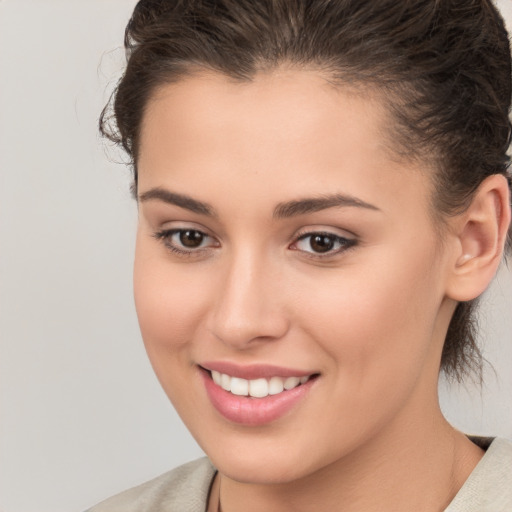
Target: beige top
186	488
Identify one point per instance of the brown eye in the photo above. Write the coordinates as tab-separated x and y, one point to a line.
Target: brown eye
186	242
191	238
321	243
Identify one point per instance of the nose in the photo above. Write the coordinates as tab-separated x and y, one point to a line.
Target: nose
248	307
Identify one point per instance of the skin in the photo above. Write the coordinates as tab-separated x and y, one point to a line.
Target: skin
370	319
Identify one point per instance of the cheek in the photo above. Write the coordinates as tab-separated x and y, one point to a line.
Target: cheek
169	310
377	323
168	306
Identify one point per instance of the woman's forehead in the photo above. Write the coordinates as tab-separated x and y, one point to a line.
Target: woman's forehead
271	115
291	132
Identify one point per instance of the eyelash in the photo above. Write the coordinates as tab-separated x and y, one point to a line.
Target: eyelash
345	244
165	236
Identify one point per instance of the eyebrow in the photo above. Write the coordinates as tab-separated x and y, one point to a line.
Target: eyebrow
281	211
315	204
181	200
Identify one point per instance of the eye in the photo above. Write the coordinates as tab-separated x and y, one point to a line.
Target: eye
322	243
190	238
186	241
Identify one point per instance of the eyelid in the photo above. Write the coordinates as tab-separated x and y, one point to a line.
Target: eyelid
182	225
329	230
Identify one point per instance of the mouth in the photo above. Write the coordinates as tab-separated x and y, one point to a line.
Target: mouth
256	395
257	388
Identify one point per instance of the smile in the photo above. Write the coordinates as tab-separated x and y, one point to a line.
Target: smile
256	388
255	395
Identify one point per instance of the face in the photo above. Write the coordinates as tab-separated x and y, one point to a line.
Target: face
284	254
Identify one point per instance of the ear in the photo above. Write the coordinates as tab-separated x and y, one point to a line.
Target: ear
480	236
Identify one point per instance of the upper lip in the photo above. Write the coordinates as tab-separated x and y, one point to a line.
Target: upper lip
253	371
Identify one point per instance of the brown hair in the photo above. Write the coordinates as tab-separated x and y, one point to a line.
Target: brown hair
443	66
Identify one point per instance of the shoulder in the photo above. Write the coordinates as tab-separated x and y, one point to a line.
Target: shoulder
185	489
488	488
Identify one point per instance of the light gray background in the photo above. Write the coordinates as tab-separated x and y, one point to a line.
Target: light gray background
81	414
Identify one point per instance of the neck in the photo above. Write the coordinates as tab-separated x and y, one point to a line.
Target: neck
419	465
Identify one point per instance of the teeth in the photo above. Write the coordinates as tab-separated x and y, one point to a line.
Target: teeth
225	382
239	386
275	386
216	377
291	382
257	388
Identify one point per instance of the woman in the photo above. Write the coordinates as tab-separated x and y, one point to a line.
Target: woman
323	193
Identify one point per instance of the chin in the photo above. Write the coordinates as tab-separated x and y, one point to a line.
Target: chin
271	464
261	472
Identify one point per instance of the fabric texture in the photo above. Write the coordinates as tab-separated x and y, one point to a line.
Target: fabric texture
489	487
186	488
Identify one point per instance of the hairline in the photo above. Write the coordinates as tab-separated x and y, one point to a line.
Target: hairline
385	95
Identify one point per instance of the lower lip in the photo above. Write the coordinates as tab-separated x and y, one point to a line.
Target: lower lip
250	411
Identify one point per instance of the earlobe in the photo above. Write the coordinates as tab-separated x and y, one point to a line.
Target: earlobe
481	232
